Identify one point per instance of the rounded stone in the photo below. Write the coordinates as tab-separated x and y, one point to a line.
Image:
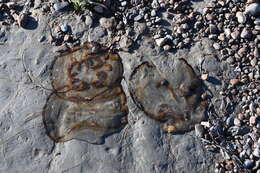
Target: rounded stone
249	164
88	21
253	9
241	18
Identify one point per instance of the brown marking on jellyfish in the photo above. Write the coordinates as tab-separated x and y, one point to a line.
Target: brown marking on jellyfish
165	84
108	67
164	110
106	57
148	64
171	129
172	93
102	76
91	62
113	57
97	84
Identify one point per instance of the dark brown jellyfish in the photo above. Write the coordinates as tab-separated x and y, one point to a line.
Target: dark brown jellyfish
172	100
88	102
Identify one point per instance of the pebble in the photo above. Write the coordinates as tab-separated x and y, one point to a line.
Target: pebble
64	27
199	130
124	3
138	17
237	122
107	23
246	33
60	6
161	41
88	21
253	62
167	47
216	46
234	82
235	35
256	151
153	13
227	32
249	164
241	18
99	9
125	42
230	121
204	76
213	29
256	53
252	120
253	9
205	123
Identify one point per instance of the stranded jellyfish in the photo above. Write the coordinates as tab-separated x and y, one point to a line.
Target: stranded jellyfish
88	102
173	100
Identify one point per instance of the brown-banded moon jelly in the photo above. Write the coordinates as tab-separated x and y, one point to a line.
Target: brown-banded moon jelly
88	102
65	120
82	74
172	99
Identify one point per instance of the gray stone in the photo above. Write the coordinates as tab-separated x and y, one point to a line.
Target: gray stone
138	17
241	18
217	46
64	27
213	29
161	41
256	151
253	62
153	13
253	9
246	33
237	122
235	35
199	131
60	6
99	9
249	164
107	23
124	3
88	21
256	53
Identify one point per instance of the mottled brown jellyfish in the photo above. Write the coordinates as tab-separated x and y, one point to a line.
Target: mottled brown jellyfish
65	120
173	100
88	102
82	74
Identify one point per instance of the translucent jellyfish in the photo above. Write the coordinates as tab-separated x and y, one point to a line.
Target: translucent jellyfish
82	74
173	100
88	102
65	120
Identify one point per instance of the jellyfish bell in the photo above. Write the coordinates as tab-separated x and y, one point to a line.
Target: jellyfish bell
90	121
173	100
88	102
84	74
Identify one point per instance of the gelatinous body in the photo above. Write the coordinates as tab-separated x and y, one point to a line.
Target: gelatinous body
174	100
82	75
88	102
